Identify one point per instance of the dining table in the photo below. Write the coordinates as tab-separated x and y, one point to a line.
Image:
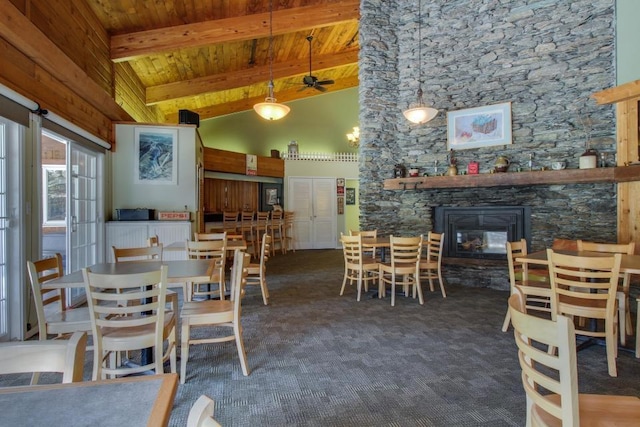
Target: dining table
378	242
179	271
629	263
132	401
232	245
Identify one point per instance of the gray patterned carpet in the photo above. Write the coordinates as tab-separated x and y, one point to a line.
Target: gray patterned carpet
318	359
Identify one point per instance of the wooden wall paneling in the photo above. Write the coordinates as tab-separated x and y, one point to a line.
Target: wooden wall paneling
228	161
225	195
22	75
628	139
130	94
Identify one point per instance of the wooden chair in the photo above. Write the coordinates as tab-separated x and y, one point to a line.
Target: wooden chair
366	234
262	228
431	264
216	251
222	313
586	287
153	240
550	380
54	318
534	282
276	227
405	263
289	237
257	272
145	253
230	222
201	237
141	322
247	231
622	294
64	356
358	267
201	413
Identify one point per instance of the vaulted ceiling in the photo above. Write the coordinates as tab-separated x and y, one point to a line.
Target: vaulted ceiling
212	57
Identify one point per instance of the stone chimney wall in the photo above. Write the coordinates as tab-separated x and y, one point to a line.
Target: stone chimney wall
545	57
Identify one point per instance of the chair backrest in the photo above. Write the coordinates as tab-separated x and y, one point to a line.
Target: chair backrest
153	240
246	219
289	216
371	234
229	220
564	244
127	301
542	372
40	272
239	273
583	285
612	248
276	217
434	245
146	253
405	250
352	249
262	219
64	356
264	251
209	249
198	237
201	413
517	270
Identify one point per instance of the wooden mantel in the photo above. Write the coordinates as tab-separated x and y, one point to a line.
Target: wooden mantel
511	179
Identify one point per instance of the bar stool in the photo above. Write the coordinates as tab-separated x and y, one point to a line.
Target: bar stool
276	231
289	240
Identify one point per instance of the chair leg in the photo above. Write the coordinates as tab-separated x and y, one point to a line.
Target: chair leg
506	322
393	289
444	293
638	330
184	350
265	290
612	348
237	331
418	285
622	320
344	281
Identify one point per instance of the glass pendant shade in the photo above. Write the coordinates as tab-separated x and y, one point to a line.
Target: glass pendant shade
270	109
420	114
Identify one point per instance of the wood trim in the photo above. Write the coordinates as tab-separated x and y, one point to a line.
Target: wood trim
125	47
514	179
620	93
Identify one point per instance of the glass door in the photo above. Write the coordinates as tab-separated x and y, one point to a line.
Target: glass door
4	222
84	220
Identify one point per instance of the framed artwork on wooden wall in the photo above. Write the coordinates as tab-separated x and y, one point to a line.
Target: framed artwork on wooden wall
479	127
156	156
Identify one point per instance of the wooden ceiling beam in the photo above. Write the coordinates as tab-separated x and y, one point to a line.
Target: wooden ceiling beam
240	78
248	103
125	47
33	43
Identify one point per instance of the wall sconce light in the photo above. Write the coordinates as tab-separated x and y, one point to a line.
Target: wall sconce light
353	138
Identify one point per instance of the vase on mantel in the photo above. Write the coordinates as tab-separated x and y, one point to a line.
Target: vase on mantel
452	170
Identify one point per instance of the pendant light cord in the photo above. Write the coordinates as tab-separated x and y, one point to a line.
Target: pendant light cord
270	48
420	52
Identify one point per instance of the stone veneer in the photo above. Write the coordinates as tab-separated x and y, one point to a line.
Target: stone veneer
545	57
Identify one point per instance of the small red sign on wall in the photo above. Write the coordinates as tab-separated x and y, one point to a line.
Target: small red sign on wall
473	168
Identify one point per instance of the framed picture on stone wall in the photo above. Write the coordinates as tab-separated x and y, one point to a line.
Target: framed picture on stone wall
479	127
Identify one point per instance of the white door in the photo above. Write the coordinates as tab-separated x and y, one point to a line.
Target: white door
314	202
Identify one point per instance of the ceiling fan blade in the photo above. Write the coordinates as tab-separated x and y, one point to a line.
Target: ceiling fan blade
320	88
325	82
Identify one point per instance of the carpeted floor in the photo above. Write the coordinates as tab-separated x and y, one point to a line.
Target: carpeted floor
319	359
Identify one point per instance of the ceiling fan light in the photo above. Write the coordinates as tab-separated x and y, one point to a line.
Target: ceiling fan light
421	114
271	110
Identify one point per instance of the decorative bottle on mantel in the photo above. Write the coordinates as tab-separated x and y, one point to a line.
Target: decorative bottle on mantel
588	159
452	170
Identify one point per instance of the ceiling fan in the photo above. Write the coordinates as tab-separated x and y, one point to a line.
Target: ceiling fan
311	80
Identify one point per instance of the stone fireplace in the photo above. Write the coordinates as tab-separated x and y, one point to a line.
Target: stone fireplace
481	232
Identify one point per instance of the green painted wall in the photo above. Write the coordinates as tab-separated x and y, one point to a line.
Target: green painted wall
627	38
319	124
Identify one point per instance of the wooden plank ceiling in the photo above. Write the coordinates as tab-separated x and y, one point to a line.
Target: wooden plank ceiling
212	56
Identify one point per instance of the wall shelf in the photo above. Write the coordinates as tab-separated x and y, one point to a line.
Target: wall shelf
514	179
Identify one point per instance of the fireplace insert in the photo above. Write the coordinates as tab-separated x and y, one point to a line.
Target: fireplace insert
481	231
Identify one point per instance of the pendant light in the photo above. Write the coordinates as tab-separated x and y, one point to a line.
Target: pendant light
270	109
419	113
